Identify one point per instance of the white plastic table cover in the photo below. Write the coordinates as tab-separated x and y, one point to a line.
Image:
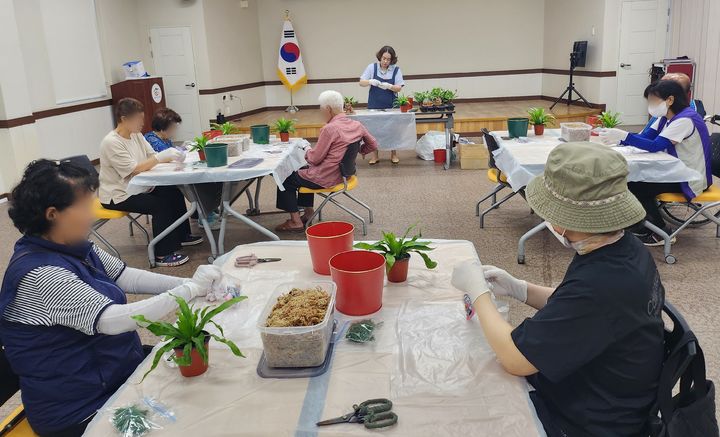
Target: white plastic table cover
523	159
434	365
393	129
279	160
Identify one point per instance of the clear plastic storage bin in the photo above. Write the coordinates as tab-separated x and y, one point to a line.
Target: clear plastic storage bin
302	346
575	131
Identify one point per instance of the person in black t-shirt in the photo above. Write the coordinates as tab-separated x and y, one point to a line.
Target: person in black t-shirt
593	352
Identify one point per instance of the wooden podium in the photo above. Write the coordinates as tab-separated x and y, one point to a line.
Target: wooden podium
149	91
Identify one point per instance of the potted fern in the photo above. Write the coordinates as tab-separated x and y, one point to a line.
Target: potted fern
397	253
402	102
227	128
198	145
447	97
539	118
348	103
188	337
284	126
609	119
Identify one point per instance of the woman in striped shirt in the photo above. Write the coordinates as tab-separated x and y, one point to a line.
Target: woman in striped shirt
65	323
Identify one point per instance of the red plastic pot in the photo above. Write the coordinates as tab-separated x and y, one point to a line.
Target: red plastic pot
284	137
539	129
359	277
594	121
201	154
405	108
326	240
411	101
399	270
197	365
439	156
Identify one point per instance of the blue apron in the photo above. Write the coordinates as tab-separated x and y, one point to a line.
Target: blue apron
380	98
65	375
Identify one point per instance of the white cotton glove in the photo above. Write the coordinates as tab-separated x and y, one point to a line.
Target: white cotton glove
206	276
385	85
612	136
468	277
505	284
374	82
170	154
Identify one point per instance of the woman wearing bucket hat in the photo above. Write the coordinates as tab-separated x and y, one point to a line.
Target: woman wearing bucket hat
593	352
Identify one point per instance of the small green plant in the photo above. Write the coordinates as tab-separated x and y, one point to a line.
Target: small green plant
188	332
448	96
609	119
350	100
284	125
539	116
199	143
227	128
401	100
394	248
420	96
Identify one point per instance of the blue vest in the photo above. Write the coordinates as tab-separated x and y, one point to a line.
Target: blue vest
378	97
65	375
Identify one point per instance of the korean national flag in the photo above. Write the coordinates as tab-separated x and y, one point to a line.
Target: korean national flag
290	65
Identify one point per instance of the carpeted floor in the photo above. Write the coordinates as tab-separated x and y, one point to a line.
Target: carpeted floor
443	203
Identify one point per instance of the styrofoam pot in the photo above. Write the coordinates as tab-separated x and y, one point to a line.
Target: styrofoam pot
327	239
359	276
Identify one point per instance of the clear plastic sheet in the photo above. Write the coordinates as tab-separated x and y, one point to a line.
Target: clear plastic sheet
524	158
279	160
429	399
393	130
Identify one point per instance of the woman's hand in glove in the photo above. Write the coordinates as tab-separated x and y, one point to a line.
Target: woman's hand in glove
505	284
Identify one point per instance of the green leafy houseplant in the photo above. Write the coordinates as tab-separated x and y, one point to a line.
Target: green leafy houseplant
448	96
401	100
227	128
609	119
284	125
539	116
349	100
199	143
420	96
395	249
188	332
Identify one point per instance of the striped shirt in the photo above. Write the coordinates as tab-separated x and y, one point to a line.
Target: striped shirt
51	295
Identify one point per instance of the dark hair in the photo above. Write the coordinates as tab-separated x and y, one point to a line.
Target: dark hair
387	49
127	107
164	118
47	184
666	88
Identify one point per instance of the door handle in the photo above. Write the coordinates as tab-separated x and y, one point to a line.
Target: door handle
623	65
191	85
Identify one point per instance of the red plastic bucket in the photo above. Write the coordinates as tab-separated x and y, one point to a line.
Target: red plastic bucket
439	155
359	276
327	239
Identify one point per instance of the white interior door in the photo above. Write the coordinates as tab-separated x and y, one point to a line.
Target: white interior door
174	62
643	30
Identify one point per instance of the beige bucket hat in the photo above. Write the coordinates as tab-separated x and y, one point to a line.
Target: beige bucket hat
584	189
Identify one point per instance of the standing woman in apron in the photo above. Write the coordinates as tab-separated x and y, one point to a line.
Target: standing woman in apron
385	80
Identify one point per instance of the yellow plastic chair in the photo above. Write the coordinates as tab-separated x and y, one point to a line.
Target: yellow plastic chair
496	176
103	215
16	425
707	200
350	181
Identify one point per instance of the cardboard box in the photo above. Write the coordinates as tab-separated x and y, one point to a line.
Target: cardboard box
473	156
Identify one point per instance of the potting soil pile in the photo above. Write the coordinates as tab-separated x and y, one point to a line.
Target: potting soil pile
299	308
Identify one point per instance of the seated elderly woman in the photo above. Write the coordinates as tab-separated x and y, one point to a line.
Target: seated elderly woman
65	323
324	159
164	125
594	350
680	131
123	154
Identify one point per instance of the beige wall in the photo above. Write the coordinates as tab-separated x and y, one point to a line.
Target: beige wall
696	33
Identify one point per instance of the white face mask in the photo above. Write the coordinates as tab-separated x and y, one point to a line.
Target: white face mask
561	237
659	110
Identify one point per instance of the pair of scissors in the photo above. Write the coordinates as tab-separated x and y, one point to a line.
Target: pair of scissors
373	413
252	260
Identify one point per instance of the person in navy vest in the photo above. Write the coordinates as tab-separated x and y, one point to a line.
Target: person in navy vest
385	80
678	130
65	323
